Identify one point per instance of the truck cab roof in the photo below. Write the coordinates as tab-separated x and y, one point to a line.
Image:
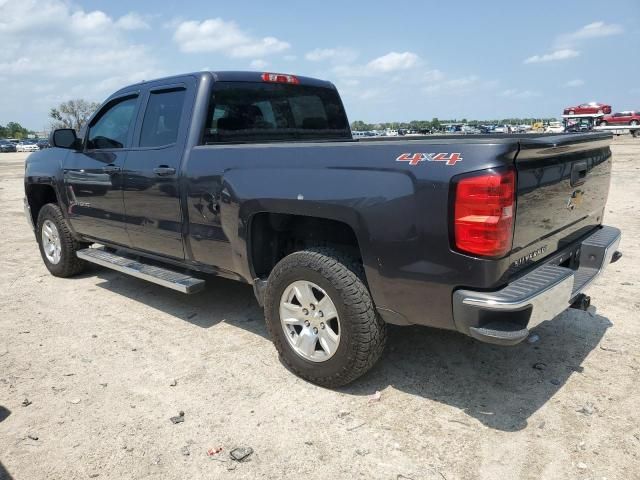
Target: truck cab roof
228	76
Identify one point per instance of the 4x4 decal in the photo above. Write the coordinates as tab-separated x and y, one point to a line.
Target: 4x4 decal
416	158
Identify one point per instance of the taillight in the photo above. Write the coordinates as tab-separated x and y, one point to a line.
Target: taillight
279	78
483	213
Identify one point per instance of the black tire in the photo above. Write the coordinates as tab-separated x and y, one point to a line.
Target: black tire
363	333
634	123
69	263
603	123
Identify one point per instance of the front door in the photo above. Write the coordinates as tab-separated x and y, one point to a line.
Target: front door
152	172
93	177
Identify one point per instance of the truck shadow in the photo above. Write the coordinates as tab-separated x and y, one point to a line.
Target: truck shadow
502	387
4	475
498	386
221	301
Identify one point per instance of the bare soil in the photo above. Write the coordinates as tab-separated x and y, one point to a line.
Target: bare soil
104	361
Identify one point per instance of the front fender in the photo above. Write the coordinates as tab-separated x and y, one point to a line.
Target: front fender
45	168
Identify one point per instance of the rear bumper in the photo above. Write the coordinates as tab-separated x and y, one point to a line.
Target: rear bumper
505	316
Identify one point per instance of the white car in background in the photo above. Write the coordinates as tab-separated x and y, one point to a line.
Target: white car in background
554	127
27	147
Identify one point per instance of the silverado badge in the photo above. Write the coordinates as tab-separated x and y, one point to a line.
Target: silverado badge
530	256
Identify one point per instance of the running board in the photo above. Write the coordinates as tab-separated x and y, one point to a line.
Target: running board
162	276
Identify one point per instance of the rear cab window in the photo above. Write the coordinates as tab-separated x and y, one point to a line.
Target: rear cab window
242	112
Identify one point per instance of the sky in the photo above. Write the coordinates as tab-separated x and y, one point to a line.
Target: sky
398	61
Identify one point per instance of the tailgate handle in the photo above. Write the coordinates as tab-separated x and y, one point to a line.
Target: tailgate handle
578	173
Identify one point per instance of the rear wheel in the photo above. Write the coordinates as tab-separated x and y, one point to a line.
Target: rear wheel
634	123
603	123
57	245
321	317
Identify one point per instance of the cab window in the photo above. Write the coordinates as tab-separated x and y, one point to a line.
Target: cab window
110	129
162	118
270	112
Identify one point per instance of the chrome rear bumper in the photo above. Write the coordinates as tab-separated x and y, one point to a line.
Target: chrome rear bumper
505	316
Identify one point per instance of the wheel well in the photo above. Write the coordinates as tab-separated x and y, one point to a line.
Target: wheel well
39	196
276	235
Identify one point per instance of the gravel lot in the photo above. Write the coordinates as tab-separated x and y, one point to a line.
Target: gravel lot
106	360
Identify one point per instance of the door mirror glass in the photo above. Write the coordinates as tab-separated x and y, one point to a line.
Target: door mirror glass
64	138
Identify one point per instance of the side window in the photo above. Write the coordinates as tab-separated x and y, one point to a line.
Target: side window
111	128
162	118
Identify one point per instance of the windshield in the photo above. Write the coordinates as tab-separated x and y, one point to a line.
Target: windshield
266	112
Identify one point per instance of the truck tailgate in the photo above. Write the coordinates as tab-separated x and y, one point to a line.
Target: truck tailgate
563	183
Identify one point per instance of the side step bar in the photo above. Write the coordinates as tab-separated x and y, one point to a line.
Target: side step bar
162	276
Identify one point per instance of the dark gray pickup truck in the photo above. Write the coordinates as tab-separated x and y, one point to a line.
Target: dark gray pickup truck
255	177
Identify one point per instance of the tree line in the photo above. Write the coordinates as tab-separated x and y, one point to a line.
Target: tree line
437	124
75	113
72	114
14	130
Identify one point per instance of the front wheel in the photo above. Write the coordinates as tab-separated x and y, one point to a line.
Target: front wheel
57	245
634	123
321	317
603	123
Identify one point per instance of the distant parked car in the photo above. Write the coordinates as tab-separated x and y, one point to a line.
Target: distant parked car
588	108
469	130
27	147
554	127
42	144
579	125
630	117
6	146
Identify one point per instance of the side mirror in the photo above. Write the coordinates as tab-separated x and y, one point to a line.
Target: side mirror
64	138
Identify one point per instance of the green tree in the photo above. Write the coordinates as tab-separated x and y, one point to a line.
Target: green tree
14	130
72	114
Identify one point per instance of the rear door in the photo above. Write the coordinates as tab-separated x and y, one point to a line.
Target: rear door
625	117
563	183
617	118
93	177
152	170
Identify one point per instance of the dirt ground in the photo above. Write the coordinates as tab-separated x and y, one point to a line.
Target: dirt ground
106	360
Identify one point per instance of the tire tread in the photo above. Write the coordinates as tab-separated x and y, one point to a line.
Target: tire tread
70	264
347	276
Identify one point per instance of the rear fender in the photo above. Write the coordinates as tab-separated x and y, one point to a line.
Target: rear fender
378	205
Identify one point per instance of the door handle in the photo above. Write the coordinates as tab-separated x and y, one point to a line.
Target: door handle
164	170
578	173
111	168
